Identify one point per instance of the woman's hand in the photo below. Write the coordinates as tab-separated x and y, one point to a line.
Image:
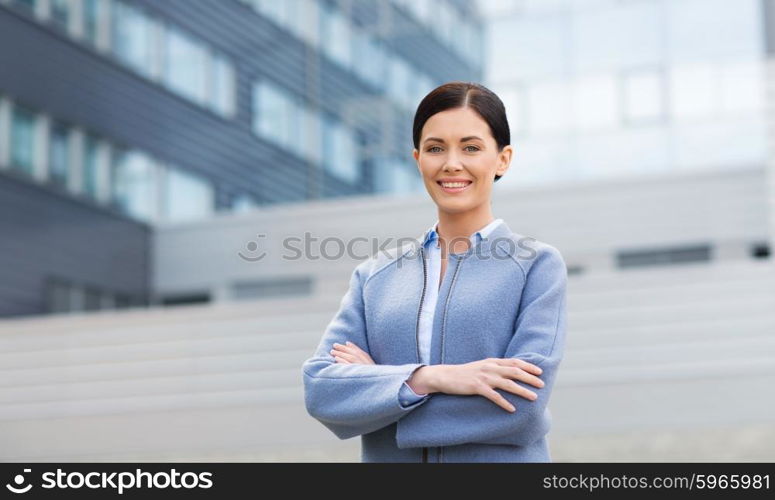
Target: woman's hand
481	377
350	353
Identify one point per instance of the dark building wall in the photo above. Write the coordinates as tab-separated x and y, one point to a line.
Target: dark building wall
48	71
46	235
71	81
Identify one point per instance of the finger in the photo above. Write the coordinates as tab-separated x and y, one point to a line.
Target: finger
515	388
363	355
522	375
354	354
339	359
344	355
349	348
520	363
342	347
499	400
529	367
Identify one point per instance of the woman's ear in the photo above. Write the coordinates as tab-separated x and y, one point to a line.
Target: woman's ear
504	160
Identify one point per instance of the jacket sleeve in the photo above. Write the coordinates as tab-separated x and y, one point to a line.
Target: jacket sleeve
408	396
353	399
539	338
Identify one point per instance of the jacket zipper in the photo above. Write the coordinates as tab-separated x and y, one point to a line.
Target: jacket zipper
444	324
417	328
446	303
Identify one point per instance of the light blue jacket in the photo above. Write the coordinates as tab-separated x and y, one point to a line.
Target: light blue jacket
433	263
505	297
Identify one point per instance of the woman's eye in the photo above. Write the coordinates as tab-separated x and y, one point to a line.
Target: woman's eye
430	150
475	148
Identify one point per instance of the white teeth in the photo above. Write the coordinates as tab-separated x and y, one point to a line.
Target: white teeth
454	184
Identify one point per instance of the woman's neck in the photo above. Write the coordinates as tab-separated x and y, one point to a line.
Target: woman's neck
455	229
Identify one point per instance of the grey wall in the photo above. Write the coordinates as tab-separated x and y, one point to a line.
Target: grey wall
589	222
47	235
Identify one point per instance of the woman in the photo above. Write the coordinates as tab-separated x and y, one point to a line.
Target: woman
447	350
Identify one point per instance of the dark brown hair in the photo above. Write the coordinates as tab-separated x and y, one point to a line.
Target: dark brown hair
459	94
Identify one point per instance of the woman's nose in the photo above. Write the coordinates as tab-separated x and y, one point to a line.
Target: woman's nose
453	162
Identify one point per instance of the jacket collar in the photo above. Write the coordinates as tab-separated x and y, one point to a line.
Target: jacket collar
486	238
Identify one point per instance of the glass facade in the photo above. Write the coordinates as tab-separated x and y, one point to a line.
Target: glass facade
135	184
91	167
22	140
186	196
140	185
608	88
92	12
59	154
132	37
61	12
185	68
155	49
344	142
340	156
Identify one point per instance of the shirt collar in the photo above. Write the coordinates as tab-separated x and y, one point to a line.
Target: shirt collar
431	234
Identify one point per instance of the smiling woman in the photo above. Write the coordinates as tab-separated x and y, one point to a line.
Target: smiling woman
436	363
457	106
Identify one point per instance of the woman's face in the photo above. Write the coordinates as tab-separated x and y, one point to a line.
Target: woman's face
457	145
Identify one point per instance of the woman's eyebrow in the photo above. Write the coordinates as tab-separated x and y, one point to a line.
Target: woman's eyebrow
464	139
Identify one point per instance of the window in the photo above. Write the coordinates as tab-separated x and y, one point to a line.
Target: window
185	65
692	90
135	185
311	135
91	167
187	196
91	18
132	35
396	177
400	81
28	4
714	29
370	59
609	37
534	47
446	25
57	296
340	158
643	96
305	24
60	12
92	299
243	203
59	154
22	140
222	98
285	13
335	35
513	98
272	287
469	42
596	102
276	115
664	256
422	86
742	87
547	107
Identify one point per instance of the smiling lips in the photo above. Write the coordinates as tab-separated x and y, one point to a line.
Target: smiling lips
454	185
